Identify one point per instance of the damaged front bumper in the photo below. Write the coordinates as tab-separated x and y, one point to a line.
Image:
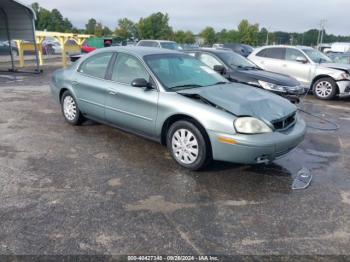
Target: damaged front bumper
344	87
259	148
294	93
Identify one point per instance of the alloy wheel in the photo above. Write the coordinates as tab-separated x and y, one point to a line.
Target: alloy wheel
185	146
323	89
69	108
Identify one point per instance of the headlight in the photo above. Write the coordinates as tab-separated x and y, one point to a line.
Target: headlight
251	125
344	76
271	87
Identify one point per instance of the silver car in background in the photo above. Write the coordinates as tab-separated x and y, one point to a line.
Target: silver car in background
309	66
159	44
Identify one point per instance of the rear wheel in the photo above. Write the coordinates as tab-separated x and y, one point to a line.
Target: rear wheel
188	145
325	88
70	109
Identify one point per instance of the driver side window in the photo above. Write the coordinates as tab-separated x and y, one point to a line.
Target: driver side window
293	54
127	68
209	60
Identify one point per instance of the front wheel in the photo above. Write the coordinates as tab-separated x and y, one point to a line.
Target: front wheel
188	145
325	88
70	109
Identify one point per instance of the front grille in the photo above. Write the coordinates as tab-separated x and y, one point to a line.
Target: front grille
284	123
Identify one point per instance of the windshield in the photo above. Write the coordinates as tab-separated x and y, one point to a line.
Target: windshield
170	45
317	56
180	71
236	61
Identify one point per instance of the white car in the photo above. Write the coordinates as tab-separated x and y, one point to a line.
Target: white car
309	66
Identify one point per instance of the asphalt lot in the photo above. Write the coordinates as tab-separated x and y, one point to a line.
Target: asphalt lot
97	190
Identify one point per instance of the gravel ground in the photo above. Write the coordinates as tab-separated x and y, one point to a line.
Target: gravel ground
97	190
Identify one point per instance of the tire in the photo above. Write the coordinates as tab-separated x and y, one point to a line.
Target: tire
70	110
194	155
325	88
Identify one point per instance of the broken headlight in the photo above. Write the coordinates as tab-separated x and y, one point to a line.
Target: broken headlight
344	76
271	86
251	125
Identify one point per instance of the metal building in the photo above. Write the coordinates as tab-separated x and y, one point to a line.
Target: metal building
17	22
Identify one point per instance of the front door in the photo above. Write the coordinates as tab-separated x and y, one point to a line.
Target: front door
129	107
301	71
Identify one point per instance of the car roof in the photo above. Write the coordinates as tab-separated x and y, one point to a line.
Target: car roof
210	50
161	41
339	54
139	50
286	46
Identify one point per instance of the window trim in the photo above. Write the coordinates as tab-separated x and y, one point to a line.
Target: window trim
89	58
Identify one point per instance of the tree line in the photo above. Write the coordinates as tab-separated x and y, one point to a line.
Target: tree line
156	26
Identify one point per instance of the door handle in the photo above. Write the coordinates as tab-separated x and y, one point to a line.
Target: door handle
113	93
74	83
284	65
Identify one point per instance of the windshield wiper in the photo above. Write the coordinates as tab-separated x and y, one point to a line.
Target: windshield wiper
219	83
247	67
185	86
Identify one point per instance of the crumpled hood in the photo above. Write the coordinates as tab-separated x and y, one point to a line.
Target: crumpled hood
345	67
244	100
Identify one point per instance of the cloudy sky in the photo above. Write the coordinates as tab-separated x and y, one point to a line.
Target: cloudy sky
288	15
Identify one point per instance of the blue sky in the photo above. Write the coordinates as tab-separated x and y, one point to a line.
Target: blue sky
287	15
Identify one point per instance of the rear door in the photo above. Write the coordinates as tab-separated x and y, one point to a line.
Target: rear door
270	59
89	84
129	107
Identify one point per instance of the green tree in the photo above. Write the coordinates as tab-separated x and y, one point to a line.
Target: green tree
51	20
209	36
106	31
90	27
225	36
248	33
126	29
155	26
98	29
262	36
189	38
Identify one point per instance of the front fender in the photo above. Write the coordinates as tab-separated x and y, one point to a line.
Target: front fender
210	117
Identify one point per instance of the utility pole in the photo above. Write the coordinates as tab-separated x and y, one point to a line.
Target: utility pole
321	32
267	36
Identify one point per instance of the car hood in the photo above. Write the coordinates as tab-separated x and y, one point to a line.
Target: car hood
244	100
270	77
345	67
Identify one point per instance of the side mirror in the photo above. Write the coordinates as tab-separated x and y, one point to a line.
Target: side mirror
141	82
220	69
301	59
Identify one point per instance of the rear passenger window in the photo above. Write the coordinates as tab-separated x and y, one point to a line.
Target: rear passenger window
96	65
276	53
148	44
